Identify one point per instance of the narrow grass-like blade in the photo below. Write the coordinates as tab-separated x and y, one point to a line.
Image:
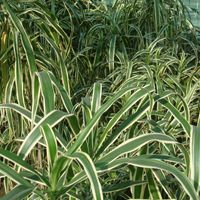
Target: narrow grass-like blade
25	40
27	114
21	110
87	130
63	67
95	105
17	160
73	121
63	93
111	53
184	123
8	95
47	92
124	125
51	143
96	97
56	170
157	164
135	143
136	96
10	173
121	186
195	157
18	193
153	187
18	72
35	135
35	98
161	178
91	173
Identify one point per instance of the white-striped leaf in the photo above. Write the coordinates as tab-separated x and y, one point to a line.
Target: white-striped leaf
35	135
195	157
134	144
18	193
51	143
155	164
91	173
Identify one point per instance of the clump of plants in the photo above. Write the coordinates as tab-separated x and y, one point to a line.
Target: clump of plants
100	100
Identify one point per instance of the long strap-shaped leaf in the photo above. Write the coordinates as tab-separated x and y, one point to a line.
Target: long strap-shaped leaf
9	172
154	164
35	135
195	157
50	140
81	176
63	93
47	91
129	121
17	160
25	40
153	187
184	123
111	53
87	130
128	105
73	122
96	97
18	72
21	110
133	144
58	166
27	114
91	173
8	95
18	193
35	98
64	72
123	126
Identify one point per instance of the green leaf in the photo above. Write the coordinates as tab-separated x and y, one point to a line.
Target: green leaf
13	175
56	170
121	186
8	96
21	110
35	135
35	99
154	164
25	40
136	96
195	157
177	115
50	140
96	97
18	72
47	92
63	93
18	193
87	130
17	160
91	173
134	144
72	120
111	53
153	187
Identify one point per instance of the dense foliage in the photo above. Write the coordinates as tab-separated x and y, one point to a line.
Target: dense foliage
99	100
